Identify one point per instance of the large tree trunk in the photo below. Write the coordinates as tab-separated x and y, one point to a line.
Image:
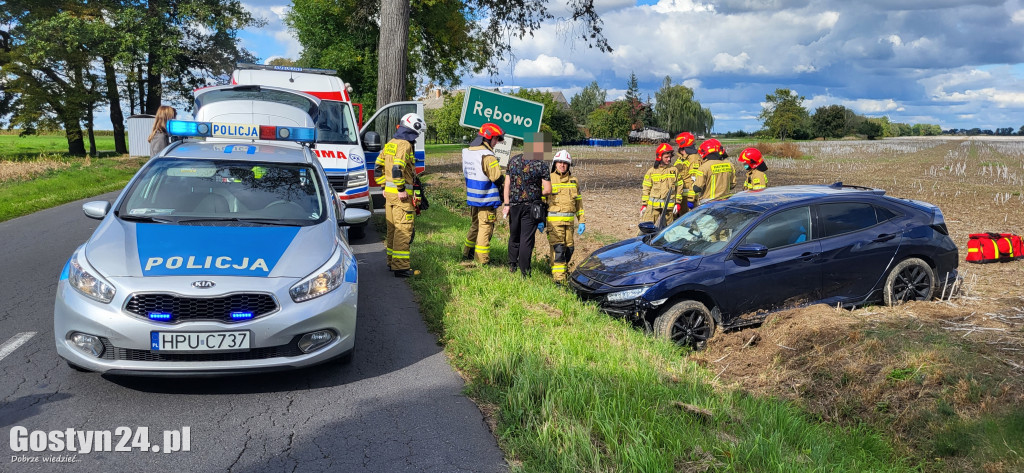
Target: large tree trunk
142	88
114	100
89	129
392	51
153	83
73	132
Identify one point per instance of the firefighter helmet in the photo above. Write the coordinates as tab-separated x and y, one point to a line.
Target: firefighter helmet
685	139
563	157
751	157
490	130
413	122
662	149
710	146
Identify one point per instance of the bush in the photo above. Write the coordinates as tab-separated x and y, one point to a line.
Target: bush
780	150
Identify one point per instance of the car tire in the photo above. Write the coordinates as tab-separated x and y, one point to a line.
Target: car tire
911	280
687	323
77	368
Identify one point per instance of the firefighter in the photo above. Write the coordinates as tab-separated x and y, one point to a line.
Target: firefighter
715	177
687	160
484	181
395	170
659	187
565	204
757	177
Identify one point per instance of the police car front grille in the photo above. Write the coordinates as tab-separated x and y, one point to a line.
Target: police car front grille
338	183
186	309
110	352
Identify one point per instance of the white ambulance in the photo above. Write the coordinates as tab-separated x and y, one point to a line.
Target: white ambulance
346	147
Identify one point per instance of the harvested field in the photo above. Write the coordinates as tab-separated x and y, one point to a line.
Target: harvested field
943	377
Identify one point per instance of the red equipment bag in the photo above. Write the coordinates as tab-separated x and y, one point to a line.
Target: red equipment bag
991	247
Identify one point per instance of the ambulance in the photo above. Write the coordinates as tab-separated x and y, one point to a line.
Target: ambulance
346	146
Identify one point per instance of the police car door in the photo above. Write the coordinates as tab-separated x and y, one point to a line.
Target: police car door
384	122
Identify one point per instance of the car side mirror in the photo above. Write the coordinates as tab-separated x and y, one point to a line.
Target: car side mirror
355	216
755	250
647	228
96	209
371	141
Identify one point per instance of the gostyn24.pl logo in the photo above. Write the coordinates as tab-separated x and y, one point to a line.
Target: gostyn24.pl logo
121	439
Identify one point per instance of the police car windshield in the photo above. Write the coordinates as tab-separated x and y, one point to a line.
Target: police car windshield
334	124
704	231
205	192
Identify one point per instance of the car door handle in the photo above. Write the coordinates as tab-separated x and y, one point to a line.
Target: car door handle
884	237
807	256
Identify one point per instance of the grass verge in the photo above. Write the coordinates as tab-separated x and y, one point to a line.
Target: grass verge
14	147
80	178
566	388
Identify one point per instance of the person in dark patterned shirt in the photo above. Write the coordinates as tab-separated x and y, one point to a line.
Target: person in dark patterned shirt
527	180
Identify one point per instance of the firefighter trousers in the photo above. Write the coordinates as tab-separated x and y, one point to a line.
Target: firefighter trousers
399	216
560	236
478	241
653	214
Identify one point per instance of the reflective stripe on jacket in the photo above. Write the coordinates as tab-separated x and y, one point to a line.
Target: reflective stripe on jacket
481	191
660	186
565	201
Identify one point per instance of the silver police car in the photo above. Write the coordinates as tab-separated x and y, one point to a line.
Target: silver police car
219	257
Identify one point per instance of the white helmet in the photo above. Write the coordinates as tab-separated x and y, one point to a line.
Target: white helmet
563	157
413	122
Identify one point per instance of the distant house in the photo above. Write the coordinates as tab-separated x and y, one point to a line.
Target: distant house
434	98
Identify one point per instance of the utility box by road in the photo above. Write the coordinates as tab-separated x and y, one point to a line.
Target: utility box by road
139	127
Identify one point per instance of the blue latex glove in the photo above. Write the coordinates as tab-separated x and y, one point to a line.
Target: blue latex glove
540	227
582	227
689	205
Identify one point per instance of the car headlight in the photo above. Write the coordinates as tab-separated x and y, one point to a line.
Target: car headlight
89	284
323	280
627	295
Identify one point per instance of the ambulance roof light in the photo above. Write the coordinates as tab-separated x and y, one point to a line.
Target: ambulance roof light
267	67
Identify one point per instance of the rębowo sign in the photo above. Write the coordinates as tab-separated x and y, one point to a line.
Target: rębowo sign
517	117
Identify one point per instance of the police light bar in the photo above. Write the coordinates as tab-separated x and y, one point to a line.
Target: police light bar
241	130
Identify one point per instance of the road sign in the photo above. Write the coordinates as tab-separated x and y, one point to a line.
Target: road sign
516	116
503	151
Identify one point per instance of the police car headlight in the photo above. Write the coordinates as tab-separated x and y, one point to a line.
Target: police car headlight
627	295
87	282
325	279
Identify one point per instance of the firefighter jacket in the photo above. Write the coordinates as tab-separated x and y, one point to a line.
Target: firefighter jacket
687	160
395	168
756	178
482	173
565	202
714	178
660	186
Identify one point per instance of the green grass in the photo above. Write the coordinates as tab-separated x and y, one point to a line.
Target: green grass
16	148
574	390
84	178
444	148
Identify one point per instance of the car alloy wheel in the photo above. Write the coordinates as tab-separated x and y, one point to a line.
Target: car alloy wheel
687	323
911	280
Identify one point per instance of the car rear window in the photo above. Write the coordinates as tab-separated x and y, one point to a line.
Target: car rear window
846	217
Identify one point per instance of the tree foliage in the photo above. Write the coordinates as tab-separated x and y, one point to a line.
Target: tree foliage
676	111
612	121
586	101
833	121
784	115
556	120
443	123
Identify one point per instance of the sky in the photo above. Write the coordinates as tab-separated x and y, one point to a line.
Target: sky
955	63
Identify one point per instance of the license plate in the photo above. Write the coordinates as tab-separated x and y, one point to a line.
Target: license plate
200	341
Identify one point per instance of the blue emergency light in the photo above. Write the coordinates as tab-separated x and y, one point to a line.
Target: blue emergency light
241	130
241	315
161	316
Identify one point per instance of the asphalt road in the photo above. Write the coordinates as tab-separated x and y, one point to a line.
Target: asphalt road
397	407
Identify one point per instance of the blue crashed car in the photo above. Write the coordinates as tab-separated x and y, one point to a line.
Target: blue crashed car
727	262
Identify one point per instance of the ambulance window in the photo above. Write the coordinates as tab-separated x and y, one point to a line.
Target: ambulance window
386	119
334	124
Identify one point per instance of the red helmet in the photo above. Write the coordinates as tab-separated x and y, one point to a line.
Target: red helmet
663	149
685	139
751	157
490	130
708	147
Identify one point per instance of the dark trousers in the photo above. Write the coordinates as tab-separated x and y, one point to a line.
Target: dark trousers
522	234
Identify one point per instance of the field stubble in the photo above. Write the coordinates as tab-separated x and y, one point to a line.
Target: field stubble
943	377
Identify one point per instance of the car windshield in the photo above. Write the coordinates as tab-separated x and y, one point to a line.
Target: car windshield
184	191
704	231
334	124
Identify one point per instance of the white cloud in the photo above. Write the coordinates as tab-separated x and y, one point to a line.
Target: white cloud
548	66
1018	17
681	6
692	83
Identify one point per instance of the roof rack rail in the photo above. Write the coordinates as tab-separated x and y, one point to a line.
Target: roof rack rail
267	67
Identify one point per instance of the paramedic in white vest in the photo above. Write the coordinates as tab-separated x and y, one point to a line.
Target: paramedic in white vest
483	191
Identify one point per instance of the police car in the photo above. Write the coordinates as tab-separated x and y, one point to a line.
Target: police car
224	255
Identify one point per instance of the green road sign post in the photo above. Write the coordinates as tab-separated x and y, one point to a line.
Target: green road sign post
516	116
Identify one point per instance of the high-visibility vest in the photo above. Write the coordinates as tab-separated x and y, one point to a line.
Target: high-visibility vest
480	191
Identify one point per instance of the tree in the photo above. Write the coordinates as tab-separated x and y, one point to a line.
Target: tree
675	110
784	114
443	123
832	121
505	20
1021	131
871	128
556	120
589	99
612	121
